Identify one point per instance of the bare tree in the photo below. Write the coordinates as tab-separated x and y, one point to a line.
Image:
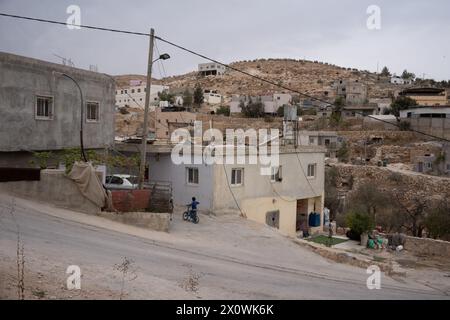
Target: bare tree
128	273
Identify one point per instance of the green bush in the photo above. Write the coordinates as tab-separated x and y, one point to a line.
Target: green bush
224	110
359	222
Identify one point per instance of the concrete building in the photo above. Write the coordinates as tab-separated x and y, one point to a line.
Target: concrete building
427	96
40	109
354	92
167	122
431	120
211	69
282	200
327	139
134	95
359	111
400	81
212	97
382	104
271	103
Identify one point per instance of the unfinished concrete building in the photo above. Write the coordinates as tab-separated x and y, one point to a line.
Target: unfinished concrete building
40	109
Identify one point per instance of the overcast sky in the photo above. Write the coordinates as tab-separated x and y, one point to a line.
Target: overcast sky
414	34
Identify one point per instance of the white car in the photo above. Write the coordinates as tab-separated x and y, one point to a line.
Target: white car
121	181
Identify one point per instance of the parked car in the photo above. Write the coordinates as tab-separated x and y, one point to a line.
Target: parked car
121	181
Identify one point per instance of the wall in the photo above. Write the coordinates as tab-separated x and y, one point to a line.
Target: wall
293	185
130	200
164	118
427	247
148	220
21	79
54	188
163	169
435	126
256	209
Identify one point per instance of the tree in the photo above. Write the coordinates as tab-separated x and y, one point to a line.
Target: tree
336	114
411	211
187	98
368	199
385	72
198	95
253	109
401	103
408	75
359	222
343	152
224	110
437	221
166	96
332	200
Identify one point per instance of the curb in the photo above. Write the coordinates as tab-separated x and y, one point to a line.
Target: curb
342	256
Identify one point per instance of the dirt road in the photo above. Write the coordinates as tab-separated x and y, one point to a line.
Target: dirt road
221	258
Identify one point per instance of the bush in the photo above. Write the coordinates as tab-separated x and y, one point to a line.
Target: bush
359	222
224	110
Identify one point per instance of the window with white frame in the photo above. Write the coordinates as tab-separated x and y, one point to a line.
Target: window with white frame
276	175
312	170
92	112
192	175
44	108
237	176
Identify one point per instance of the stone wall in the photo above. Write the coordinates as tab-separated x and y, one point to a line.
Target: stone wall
222	123
54	188
147	220
427	247
387	179
130	200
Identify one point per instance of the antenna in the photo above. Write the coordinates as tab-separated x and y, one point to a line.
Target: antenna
65	61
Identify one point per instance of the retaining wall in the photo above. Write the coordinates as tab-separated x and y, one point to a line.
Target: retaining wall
54	188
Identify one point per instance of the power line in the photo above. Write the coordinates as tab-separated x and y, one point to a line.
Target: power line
212	60
74	25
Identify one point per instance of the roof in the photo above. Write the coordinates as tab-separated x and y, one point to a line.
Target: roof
427	90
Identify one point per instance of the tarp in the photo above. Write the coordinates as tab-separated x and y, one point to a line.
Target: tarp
83	174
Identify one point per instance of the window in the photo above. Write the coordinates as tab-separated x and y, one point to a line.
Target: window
44	108
192	175
126	91
121	91
276	174
92	112
132	90
312	170
237	177
139	90
311	140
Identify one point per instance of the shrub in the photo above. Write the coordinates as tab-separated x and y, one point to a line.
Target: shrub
359	222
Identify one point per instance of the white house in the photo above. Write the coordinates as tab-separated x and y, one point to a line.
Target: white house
271	103
211	68
134	95
283	199
399	80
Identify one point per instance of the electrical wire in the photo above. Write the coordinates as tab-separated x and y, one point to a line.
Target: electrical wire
212	60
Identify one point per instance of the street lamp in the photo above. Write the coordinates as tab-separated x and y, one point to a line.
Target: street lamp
163	56
83	155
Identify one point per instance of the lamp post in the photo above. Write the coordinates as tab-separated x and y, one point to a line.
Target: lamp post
164	56
83	154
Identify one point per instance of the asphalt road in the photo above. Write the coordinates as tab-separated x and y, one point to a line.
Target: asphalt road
224	258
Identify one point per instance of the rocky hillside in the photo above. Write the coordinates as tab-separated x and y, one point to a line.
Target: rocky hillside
314	78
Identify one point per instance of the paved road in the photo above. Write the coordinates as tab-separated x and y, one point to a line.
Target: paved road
232	258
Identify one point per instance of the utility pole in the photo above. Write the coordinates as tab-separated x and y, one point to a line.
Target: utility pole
147	103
